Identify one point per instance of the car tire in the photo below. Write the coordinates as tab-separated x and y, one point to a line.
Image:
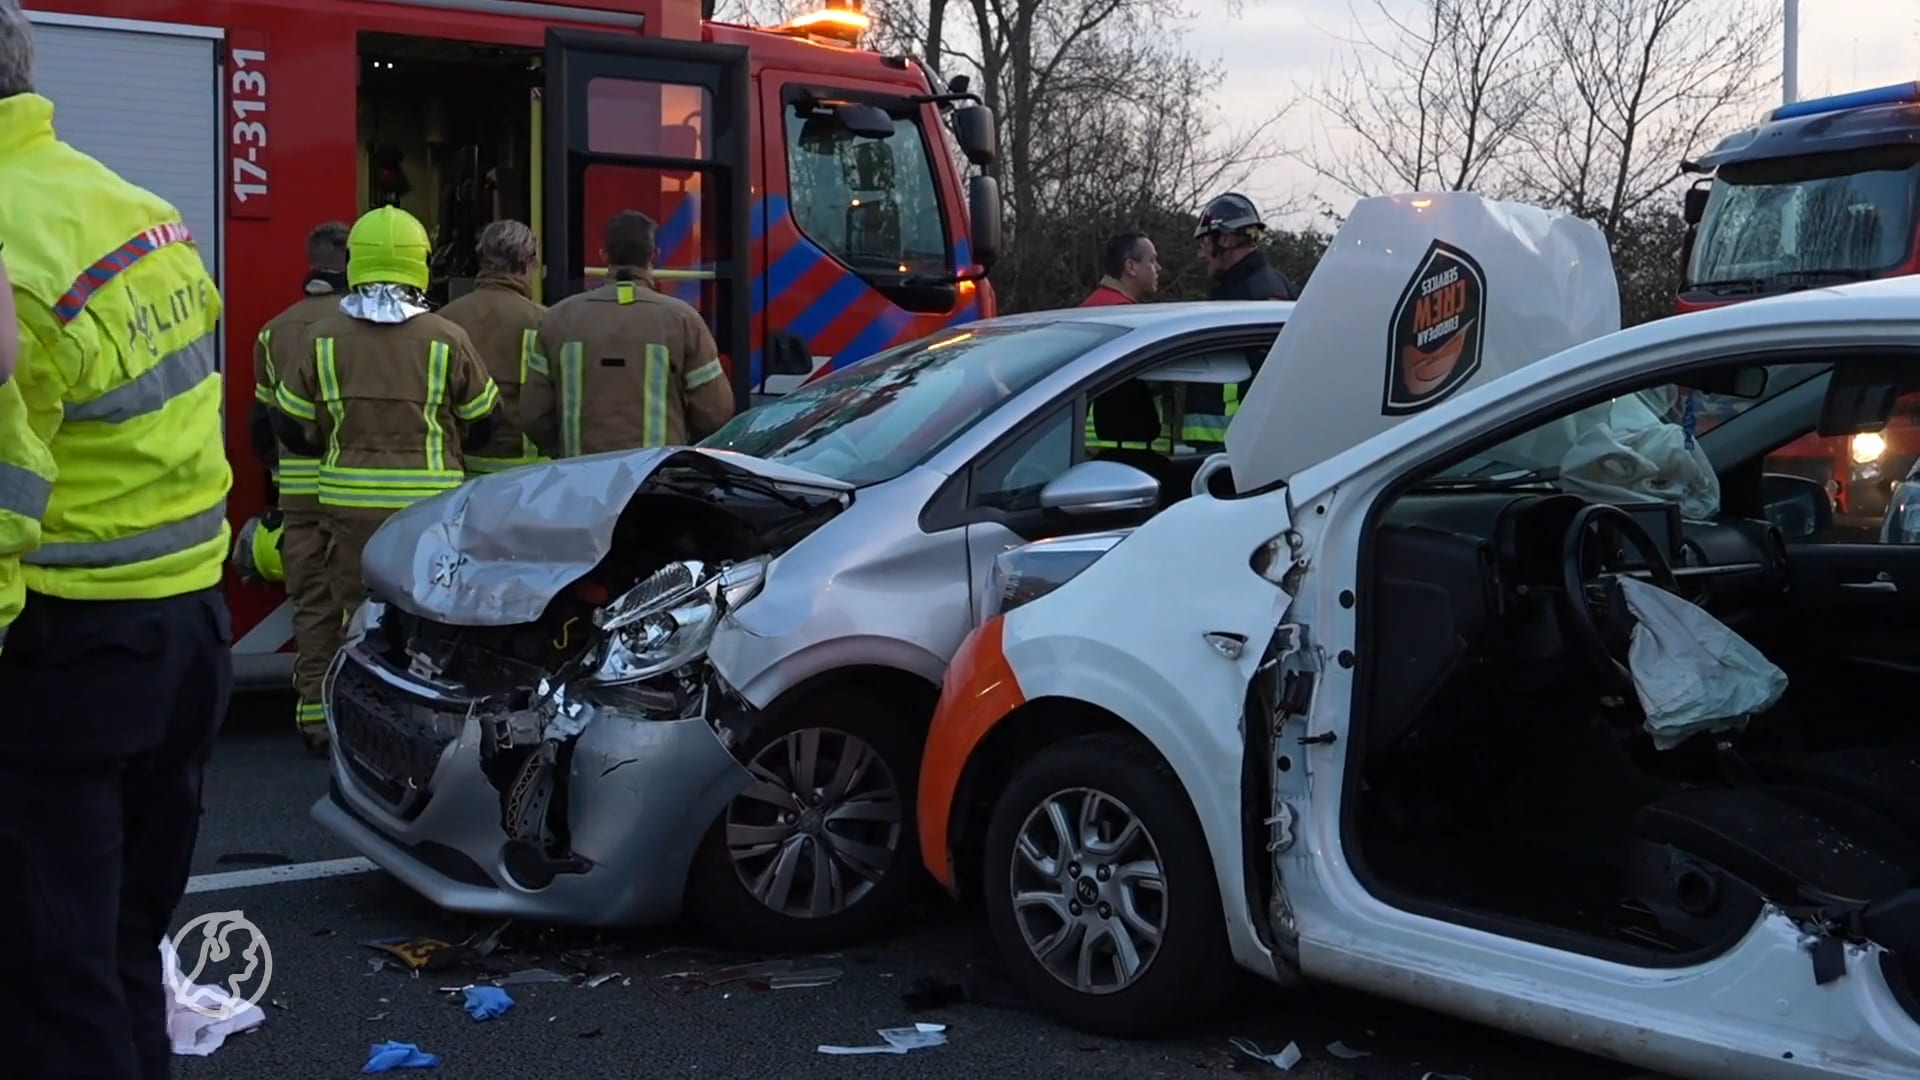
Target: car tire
1191	967
720	898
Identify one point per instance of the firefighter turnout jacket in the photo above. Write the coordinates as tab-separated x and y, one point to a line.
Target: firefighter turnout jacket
279	343
623	367
118	372
388	405
504	324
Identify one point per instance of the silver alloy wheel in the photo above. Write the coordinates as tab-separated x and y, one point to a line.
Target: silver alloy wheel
1089	891
817	828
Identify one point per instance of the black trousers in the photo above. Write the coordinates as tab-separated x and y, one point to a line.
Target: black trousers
108	714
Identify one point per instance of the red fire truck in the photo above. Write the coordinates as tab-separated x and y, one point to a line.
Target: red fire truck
810	199
1820	192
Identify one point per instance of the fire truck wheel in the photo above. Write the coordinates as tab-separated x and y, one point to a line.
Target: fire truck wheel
820	849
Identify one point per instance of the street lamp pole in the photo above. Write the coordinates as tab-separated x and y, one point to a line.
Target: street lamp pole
1790	54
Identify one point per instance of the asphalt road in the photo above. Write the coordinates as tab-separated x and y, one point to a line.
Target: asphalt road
332	997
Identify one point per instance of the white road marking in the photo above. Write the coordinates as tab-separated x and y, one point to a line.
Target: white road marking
278	875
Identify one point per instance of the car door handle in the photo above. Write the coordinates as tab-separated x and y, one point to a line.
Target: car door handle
1882	582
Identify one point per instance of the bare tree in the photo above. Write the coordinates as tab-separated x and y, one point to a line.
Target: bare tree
1637	86
1436	99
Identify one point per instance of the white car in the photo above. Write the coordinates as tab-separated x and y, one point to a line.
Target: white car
1507	701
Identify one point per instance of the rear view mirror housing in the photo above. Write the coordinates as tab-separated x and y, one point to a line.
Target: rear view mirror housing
983	212
1861	396
786	355
1100	487
866	121
974	129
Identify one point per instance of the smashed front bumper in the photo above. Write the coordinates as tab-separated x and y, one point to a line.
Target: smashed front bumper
410	791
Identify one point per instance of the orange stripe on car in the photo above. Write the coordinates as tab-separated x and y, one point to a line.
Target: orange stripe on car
978	692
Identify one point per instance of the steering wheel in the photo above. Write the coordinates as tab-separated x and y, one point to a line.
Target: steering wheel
1599	619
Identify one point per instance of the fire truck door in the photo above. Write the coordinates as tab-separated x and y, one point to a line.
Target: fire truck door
662	127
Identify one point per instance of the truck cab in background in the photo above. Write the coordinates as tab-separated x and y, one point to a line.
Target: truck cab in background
810	193
1819	192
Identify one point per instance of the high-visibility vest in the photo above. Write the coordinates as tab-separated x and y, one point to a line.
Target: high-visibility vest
529	453
119	372
1199	427
1163	444
26	482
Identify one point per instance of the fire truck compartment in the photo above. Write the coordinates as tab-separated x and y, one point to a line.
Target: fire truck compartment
447	132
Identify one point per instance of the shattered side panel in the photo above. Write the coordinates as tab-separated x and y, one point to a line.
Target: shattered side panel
497	549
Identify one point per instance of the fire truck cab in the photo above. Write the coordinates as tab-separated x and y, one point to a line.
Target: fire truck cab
1820	192
809	193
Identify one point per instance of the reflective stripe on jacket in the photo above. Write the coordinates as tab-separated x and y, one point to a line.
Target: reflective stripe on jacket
505	327
280	341
388	405
119	372
26	482
623	367
1209	409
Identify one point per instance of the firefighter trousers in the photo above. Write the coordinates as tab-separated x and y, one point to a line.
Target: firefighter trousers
304	539
111	712
351	529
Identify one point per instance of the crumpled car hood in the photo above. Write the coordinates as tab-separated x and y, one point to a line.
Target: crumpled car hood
496	550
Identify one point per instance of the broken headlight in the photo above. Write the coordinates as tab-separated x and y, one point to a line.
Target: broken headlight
1026	573
667	621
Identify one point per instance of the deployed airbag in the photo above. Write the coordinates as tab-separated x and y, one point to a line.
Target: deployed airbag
1691	672
1625	450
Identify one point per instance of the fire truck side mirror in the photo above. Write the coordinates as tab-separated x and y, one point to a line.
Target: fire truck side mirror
983	210
786	355
1694	206
973	129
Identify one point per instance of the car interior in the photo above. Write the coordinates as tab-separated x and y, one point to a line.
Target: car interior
1129	415
1504	774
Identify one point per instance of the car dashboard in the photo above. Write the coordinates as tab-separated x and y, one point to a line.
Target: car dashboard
1470	583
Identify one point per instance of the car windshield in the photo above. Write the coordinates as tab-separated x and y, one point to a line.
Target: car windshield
1644	446
1796	222
875	420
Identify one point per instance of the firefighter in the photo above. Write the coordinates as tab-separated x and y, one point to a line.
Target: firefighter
302	530
623	366
116	673
1229	232
504	323
394	393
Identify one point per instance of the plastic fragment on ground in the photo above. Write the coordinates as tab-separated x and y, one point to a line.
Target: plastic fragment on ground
900	1040
199	1017
1285	1060
530	975
1346	1053
487	1002
388	1056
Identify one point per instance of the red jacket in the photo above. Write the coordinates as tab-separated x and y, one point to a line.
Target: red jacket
1104	295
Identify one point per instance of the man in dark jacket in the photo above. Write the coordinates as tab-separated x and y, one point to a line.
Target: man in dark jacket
1229	233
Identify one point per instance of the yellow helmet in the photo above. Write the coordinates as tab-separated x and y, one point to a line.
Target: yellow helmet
256	549
388	246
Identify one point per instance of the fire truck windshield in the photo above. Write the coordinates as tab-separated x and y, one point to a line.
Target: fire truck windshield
1799	222
872	203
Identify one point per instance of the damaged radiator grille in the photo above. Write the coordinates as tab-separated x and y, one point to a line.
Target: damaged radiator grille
392	745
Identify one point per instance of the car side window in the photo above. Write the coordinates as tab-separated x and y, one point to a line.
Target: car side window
1871	483
1009	477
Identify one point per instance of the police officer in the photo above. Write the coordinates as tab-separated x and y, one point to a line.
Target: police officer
115	676
394	393
1229	232
504	323
624	366
302	528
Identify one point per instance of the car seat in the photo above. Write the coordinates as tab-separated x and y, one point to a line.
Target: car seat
1127	414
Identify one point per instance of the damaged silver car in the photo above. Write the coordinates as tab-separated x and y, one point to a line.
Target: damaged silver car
608	689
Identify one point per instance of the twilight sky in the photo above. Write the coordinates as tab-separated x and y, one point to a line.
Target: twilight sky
1275	45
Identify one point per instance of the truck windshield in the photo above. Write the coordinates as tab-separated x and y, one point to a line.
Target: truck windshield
872	203
875	420
1799	222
